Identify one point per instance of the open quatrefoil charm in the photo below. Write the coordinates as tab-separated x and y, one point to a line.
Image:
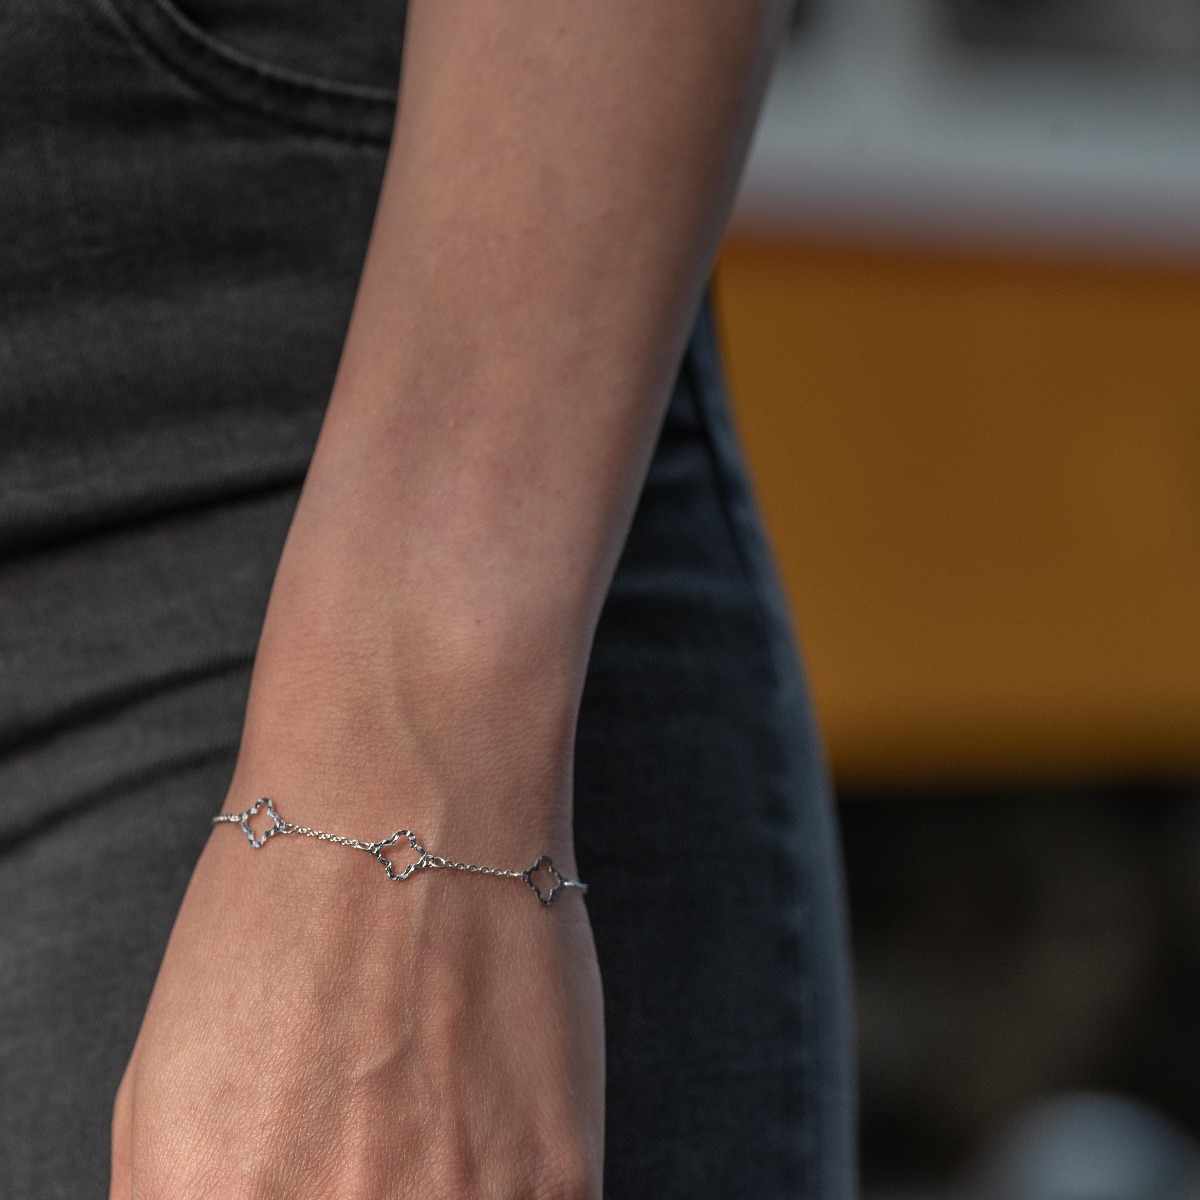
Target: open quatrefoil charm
544	864
379	847
270	831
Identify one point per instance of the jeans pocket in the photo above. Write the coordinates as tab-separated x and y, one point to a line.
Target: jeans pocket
252	82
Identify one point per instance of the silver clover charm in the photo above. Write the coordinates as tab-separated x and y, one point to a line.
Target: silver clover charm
378	848
543	862
277	825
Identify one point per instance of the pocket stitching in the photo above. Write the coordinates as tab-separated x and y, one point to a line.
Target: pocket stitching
340	108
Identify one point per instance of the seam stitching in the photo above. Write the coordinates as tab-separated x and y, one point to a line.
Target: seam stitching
307	106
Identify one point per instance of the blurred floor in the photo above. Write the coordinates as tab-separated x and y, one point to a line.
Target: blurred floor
1013	944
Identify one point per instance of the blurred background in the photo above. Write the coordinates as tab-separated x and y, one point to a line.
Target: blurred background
960	308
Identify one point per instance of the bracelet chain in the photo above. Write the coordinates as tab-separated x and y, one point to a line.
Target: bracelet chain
545	890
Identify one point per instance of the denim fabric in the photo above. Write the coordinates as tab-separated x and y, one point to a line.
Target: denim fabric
185	205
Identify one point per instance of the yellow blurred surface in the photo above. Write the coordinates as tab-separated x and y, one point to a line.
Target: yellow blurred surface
982	483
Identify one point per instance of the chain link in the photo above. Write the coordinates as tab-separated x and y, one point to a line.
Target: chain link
436	860
322	836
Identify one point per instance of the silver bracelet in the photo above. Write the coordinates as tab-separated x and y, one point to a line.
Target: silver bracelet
553	882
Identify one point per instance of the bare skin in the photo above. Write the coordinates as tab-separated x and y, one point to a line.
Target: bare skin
558	179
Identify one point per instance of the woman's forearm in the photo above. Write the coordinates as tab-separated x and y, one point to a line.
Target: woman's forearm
559	176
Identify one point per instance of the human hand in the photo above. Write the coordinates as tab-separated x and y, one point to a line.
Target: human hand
318	1031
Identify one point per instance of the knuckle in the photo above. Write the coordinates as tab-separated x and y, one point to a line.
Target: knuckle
542	1170
565	1167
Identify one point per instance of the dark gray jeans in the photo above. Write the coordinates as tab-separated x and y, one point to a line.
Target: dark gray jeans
183	214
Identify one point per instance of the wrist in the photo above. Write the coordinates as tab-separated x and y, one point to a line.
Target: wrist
414	686
459	739
441	623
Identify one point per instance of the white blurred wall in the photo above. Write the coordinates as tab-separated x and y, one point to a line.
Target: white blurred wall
1076	131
